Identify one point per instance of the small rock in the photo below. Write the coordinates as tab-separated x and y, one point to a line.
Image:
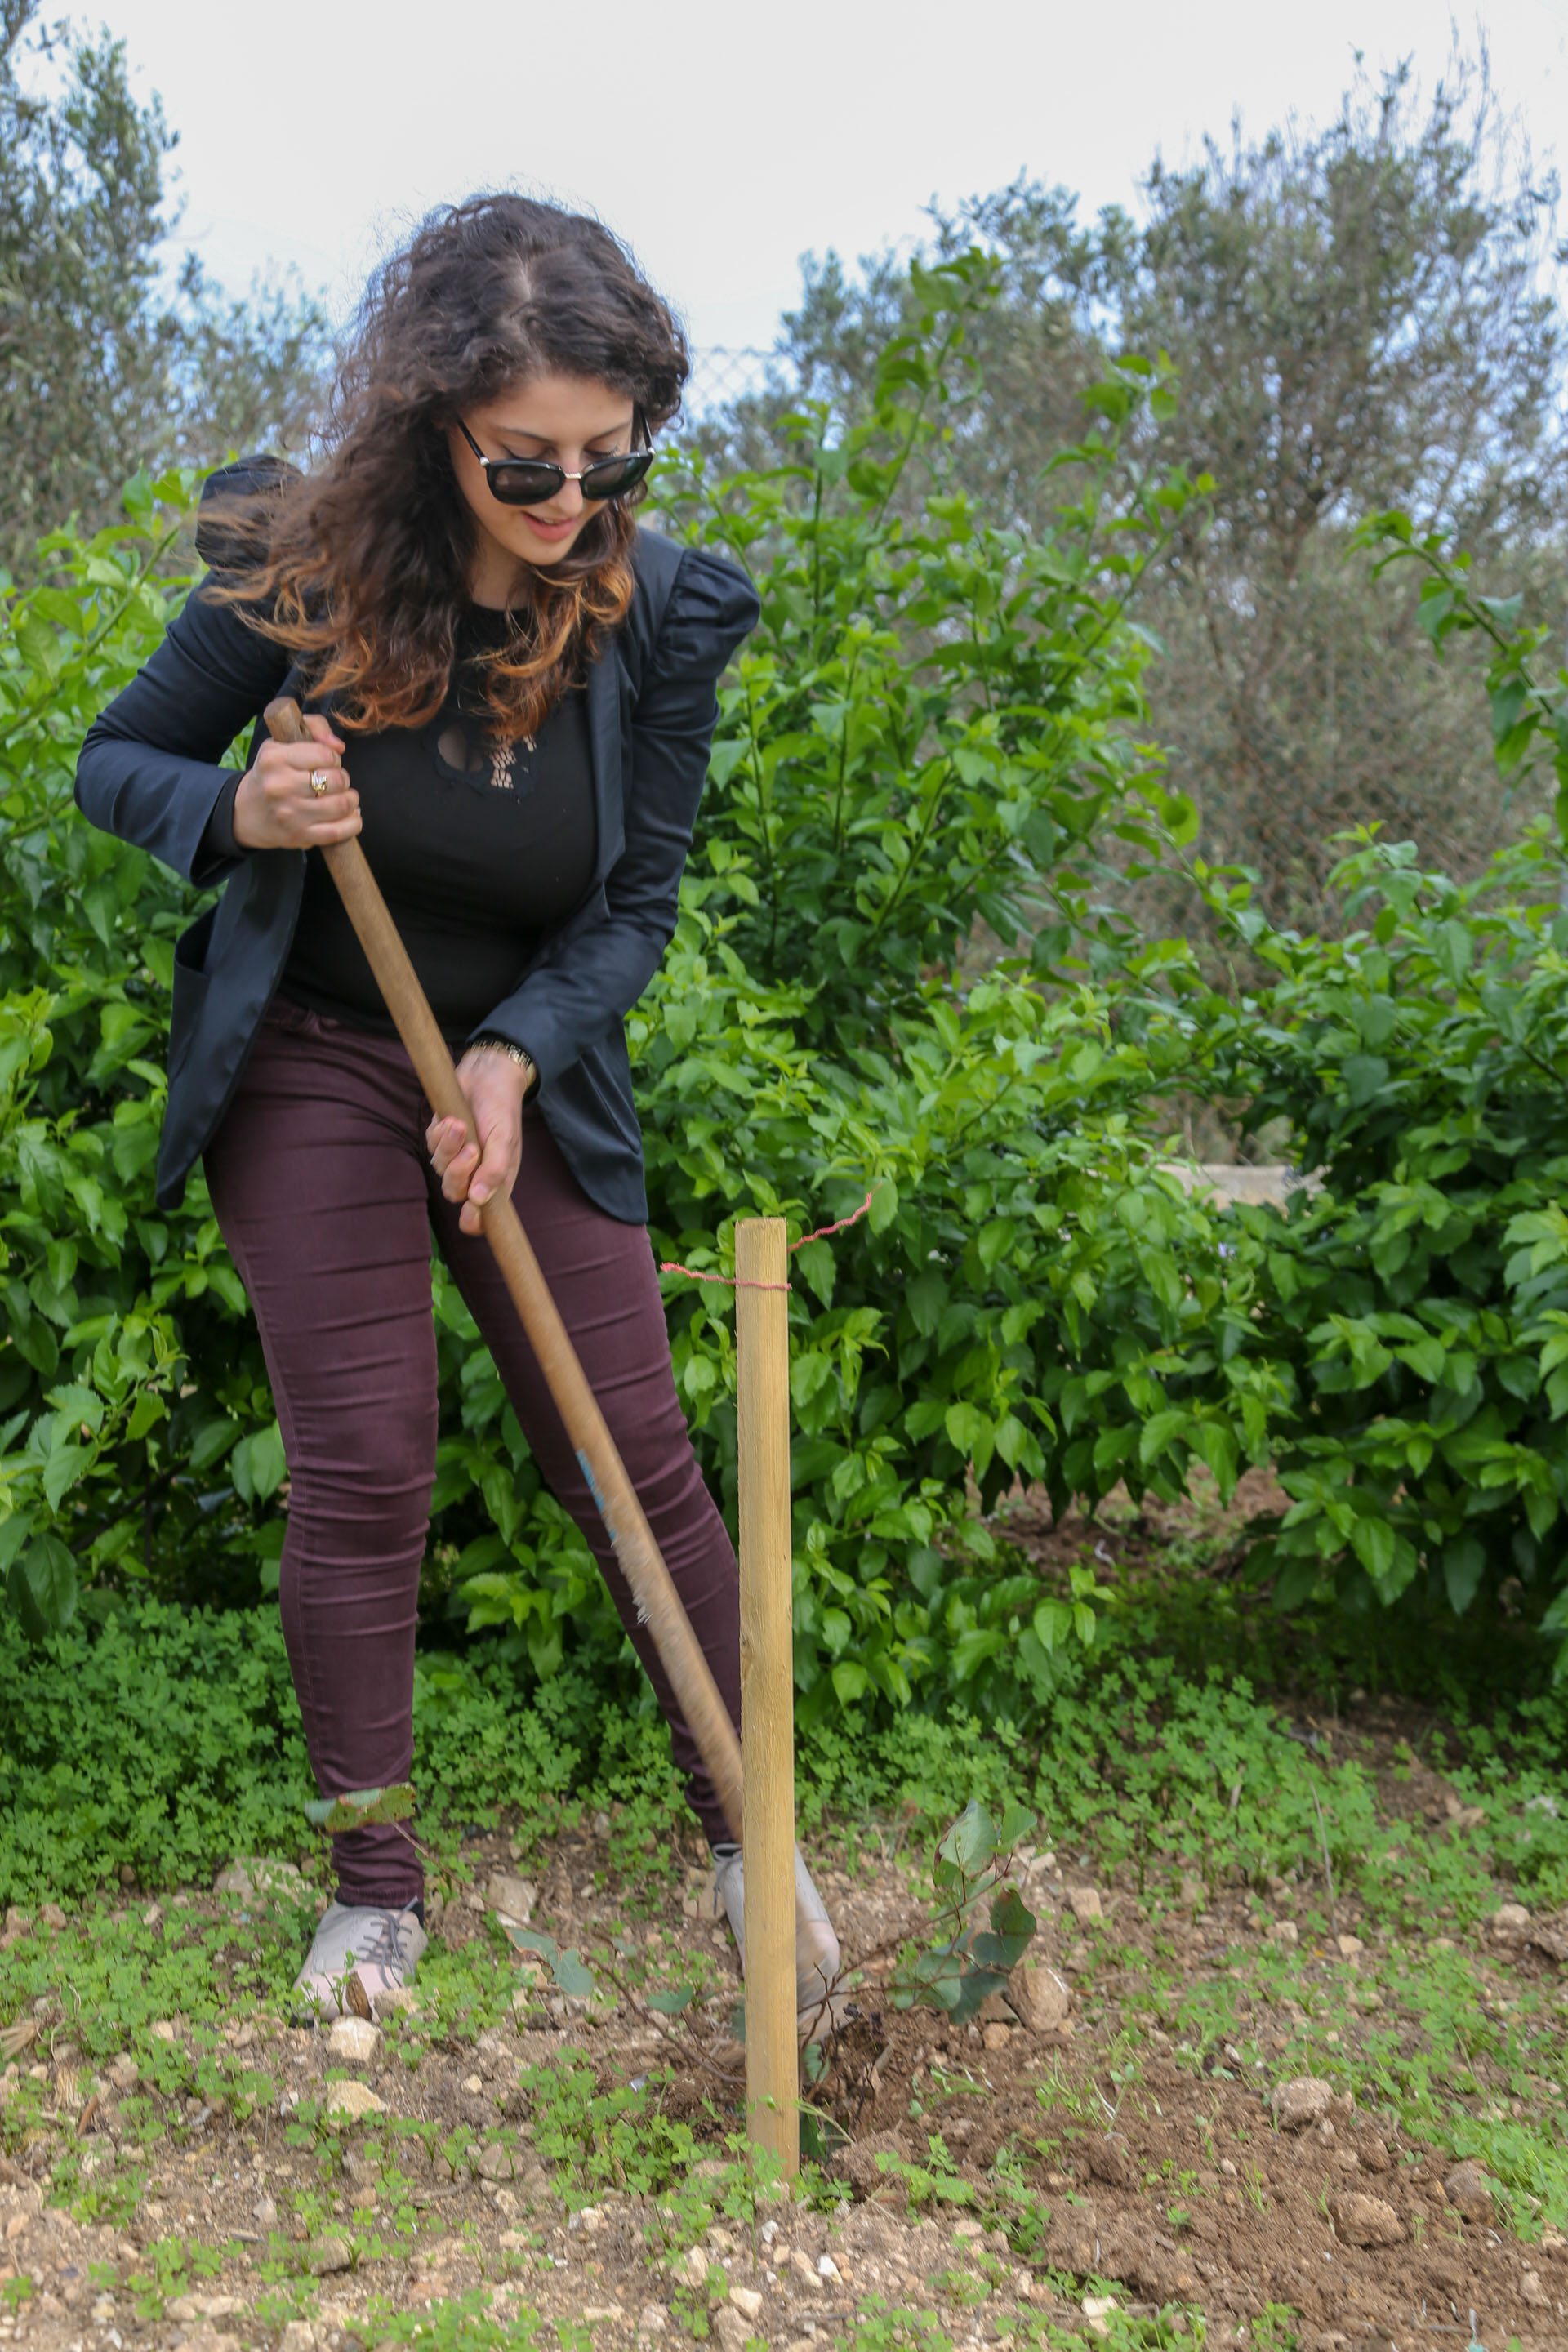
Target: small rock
161	2030
1350	1948
747	2302
1110	2161
1096	2309
1374	2155
249	1875
730	2328
395	1997
1284	1931
652	2319
1364	2221
511	1897
1301	2102
1084	1902
472	1900
298	2336
123	2071
334	2254
1040	1999
351	2100
969	2228
995	2037
219	2306
495	2162
1470	2191
51	1914
1190	1890
1510	1919
355	2041
602	2311
181	2309
1533	2290
265	2212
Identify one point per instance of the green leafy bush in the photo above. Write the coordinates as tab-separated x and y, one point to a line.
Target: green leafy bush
1416	1308
128	1367
935	724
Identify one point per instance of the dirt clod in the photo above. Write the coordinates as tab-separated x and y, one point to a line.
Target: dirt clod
1470	2192
1306	2099
1364	2221
1110	2161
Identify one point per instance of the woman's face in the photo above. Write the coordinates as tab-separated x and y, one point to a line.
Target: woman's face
565	418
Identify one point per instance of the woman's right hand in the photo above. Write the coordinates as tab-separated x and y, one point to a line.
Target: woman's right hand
275	807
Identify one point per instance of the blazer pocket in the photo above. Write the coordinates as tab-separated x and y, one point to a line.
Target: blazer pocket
192	980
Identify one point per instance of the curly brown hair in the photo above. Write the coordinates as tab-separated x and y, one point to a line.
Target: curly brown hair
361	568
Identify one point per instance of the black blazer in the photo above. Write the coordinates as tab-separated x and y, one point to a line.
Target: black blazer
148	772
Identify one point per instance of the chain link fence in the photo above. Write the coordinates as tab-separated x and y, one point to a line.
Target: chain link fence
724	373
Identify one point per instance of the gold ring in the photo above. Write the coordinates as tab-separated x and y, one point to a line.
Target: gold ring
320	779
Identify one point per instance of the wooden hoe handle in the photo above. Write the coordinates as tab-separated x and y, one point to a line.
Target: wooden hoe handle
641	1562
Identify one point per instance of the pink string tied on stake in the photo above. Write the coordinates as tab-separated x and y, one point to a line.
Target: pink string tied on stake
731	1282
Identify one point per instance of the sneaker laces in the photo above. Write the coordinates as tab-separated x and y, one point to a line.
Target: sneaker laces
385	1949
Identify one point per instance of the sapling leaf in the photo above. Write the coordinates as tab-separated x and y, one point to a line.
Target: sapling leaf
971	1842
974	1987
670	1999
1017	1822
1013	1928
572	1976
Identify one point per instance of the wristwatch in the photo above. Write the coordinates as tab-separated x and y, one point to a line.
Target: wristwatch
490	1044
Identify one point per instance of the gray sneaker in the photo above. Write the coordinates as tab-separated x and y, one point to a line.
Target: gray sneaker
816	1955
359	1955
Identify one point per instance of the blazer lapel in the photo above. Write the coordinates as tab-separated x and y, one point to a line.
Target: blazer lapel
605	752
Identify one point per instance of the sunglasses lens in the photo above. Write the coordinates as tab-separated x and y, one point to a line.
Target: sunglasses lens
524	484
617	475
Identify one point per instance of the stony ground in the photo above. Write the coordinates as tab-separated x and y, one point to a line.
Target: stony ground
1170	2128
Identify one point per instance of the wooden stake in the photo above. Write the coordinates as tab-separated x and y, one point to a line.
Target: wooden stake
767	1687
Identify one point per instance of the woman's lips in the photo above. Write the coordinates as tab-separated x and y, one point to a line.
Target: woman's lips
554	530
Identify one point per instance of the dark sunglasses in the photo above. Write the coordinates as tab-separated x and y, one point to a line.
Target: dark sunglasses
529	481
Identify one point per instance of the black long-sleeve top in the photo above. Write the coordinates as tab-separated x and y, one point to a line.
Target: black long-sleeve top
149	772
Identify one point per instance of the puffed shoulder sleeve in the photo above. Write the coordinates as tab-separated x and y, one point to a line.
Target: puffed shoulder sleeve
712	607
150	767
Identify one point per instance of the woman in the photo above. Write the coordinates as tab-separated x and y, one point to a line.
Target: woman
513	692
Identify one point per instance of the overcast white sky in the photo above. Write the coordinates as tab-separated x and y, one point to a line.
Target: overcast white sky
724	140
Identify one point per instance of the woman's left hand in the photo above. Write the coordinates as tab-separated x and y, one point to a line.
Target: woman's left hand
472	1167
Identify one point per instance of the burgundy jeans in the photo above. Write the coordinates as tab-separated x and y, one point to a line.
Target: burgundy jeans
325	1194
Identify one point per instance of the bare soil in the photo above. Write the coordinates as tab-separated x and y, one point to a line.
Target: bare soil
1164	2183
